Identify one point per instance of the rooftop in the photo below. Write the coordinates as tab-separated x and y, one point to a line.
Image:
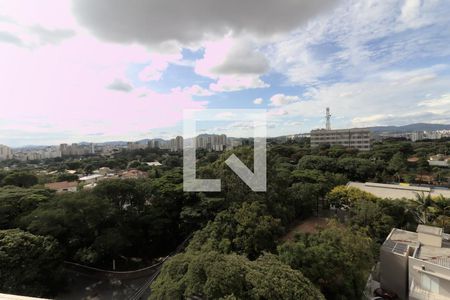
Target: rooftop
323	130
61	185
90	177
400	240
397	191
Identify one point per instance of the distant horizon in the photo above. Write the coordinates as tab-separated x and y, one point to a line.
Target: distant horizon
243	137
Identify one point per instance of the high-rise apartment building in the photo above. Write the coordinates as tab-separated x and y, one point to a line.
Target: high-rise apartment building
5	152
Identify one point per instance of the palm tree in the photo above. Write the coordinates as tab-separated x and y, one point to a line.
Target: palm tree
424	206
442	215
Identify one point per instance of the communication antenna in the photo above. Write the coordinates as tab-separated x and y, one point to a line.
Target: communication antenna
328	118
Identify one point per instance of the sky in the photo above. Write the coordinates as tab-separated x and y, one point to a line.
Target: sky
103	70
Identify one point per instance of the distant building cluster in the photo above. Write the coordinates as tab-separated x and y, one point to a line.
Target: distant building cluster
26	154
416	135
77	149
37	153
210	142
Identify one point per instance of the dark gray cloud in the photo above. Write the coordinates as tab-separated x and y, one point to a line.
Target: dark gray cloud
152	22
120	85
6	37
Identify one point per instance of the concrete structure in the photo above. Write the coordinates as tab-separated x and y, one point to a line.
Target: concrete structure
133	174
5	152
328	119
439	160
416	265
154	164
397	191
63	186
91	178
356	138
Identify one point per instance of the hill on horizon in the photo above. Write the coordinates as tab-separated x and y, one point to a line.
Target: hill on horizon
410	127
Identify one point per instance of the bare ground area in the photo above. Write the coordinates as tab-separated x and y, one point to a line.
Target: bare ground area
309	225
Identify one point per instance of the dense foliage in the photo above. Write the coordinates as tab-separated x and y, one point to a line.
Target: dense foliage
210	275
239	248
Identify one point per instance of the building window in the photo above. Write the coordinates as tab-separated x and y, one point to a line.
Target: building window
429	283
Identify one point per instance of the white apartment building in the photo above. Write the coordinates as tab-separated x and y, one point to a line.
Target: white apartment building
416	265
5	152
356	138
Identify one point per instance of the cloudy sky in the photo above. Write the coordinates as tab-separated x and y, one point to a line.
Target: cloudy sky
98	70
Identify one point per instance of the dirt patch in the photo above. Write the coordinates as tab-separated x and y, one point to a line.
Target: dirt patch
310	225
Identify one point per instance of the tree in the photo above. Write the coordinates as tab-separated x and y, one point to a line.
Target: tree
245	230
210	275
337	259
16	202
357	168
67	177
29	264
398	164
80	222
315	162
20	179
344	196
424	207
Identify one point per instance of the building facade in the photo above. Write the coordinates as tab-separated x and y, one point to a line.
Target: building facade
5	152
416	265
356	138
211	142
77	149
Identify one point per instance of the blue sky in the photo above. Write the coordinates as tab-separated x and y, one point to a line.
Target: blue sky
107	70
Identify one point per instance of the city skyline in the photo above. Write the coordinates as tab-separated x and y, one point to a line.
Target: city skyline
76	75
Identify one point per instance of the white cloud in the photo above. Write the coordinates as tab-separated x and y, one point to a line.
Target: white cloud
158	64
233	63
363	37
281	99
444	100
384	98
194	90
232	83
258	101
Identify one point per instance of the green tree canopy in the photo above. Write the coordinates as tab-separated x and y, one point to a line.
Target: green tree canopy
210	275
337	259
29	264
20	179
